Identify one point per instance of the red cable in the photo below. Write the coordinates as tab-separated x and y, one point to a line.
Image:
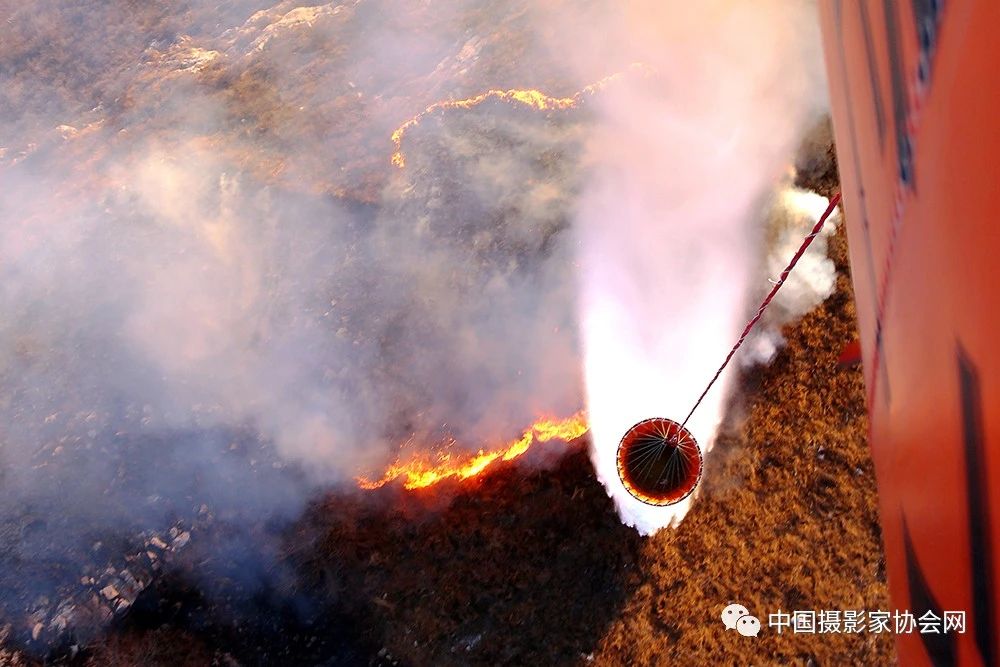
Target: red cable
767	300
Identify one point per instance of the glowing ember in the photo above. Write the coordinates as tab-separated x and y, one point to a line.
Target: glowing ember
533	99
420	472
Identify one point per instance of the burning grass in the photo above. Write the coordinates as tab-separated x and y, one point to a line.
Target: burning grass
528	97
513	565
535	570
421	472
516	565
532	567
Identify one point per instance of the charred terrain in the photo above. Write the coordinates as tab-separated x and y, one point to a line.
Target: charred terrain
534	566
132	536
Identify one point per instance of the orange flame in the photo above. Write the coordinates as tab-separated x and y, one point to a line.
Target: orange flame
533	99
420	472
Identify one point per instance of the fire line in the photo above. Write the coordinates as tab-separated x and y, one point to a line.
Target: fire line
420	472
534	99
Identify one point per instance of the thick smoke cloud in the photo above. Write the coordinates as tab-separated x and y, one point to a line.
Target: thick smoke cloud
218	295
668	221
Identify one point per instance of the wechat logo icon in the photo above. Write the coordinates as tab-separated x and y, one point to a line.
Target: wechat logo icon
737	617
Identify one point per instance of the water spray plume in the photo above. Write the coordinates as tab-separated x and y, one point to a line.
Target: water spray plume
659	461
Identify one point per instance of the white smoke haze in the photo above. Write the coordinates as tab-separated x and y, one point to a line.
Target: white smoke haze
447	304
215	288
208	299
791	214
668	234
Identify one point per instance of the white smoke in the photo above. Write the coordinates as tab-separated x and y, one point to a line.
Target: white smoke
216	290
791	216
668	236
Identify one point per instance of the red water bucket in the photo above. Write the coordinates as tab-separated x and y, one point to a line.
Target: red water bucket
659	461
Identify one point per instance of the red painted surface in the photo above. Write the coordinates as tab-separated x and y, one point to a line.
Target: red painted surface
925	262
